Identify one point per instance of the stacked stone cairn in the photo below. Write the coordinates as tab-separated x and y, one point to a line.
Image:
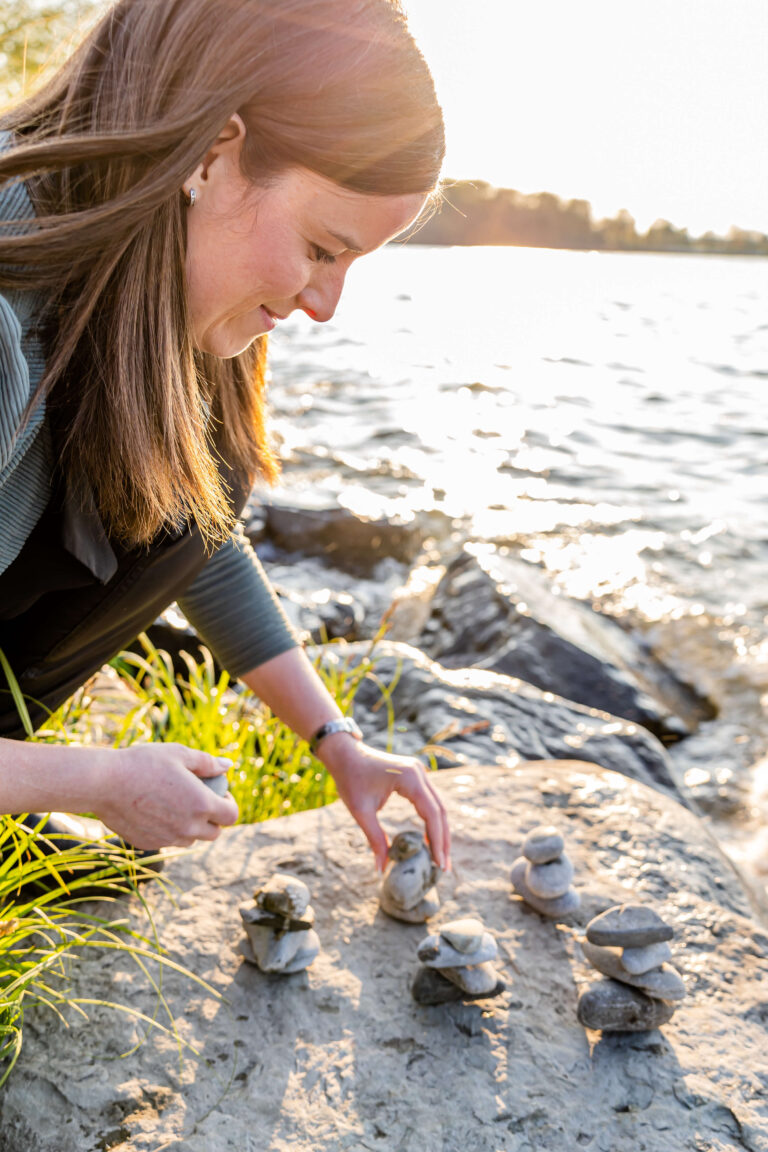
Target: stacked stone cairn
457	965
543	874
280	926
408	890
629	944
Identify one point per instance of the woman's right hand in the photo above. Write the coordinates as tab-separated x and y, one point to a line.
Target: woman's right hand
152	797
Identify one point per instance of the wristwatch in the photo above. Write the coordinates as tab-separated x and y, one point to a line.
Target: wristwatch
343	724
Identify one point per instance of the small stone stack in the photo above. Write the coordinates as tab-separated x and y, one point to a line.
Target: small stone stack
457	965
279	927
629	944
543	874
408	890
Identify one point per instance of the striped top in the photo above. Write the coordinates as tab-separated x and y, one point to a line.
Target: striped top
231	603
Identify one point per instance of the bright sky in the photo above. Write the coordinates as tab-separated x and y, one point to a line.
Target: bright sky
657	106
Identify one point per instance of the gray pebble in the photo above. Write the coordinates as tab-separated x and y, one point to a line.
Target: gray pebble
640	960
628	926
612	1007
435	952
217	784
557	908
428	906
550	880
543	844
664	983
408	880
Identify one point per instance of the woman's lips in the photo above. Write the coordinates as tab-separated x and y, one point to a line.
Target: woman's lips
269	319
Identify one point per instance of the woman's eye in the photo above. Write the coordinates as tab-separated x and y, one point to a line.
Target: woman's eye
321	256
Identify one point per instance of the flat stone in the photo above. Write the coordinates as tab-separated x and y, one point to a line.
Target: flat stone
435	952
421	912
612	1007
256	915
664	983
628	926
408	881
543	844
478	980
640	960
431	987
283	894
556	908
550	880
463	935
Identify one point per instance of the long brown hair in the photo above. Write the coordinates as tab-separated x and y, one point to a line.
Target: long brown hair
335	86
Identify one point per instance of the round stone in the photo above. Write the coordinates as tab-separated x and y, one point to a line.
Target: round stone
428	906
407	881
557	908
217	784
550	880
640	960
463	935
543	844
612	1007
405	845
628	926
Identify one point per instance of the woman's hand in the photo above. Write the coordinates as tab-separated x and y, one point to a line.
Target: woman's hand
365	779
151	796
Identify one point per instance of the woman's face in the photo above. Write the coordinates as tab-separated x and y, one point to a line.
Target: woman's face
255	254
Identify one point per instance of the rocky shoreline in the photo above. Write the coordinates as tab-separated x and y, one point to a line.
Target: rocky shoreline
585	685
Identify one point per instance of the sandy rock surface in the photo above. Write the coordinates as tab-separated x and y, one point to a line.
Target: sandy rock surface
340	1057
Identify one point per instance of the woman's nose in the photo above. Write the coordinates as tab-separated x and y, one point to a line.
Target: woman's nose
320	299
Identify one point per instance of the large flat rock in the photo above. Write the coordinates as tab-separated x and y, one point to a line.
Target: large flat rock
342	1058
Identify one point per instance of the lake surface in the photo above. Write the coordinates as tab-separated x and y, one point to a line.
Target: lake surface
603	413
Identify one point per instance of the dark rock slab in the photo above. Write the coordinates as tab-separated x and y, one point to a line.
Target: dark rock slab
470	715
498	612
348	541
629	926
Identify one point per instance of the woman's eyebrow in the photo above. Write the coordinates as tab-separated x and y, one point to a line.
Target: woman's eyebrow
350	245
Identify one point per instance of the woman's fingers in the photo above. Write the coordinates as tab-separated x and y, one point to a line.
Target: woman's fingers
374	834
415	786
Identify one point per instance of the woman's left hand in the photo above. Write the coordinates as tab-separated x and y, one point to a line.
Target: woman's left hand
365	779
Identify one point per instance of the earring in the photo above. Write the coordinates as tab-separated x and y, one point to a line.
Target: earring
191	199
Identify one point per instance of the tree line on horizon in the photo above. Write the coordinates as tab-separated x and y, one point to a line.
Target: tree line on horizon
474	212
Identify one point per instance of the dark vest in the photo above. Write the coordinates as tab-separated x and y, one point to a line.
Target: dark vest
59	623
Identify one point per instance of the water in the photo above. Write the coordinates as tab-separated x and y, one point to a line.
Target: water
605	413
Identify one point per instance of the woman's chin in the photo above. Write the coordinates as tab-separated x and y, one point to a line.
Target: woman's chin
225	345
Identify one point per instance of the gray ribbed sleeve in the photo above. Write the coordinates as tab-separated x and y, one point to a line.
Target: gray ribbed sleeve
25	456
232	605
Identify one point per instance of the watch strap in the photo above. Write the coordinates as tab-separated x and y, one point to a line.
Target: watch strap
342	724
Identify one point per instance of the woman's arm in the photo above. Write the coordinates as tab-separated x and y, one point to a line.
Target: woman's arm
365	778
148	794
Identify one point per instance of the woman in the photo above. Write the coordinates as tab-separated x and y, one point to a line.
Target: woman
198	170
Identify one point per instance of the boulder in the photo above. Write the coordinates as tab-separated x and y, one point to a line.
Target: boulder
349	541
462	716
341	1058
499	612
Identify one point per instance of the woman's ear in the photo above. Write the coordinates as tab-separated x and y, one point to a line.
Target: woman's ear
227	147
